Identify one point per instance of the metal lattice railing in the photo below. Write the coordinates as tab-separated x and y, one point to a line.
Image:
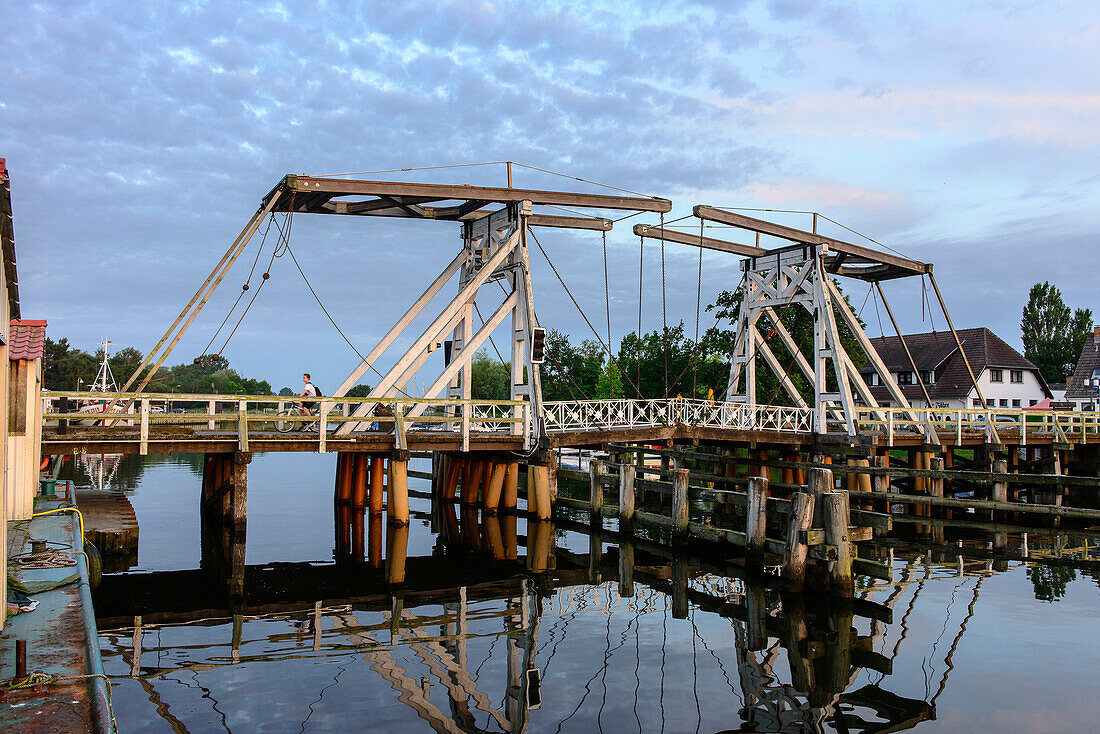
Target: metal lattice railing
594	415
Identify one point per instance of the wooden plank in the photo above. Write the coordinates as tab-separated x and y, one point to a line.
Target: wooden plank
685	238
295	184
712	214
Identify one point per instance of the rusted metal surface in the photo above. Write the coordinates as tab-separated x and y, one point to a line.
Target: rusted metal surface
61	641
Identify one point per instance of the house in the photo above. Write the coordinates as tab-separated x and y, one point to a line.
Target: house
1006	378
24	450
1081	390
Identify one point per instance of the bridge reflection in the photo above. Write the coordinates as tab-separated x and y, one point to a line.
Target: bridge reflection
792	663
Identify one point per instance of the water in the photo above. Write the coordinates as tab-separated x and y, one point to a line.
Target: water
1008	650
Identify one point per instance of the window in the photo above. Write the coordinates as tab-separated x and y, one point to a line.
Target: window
928	377
1033	401
996	375
1016	376
874	379
1004	402
1016	403
905	378
977	403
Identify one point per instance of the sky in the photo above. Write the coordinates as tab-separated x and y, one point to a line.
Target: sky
140	138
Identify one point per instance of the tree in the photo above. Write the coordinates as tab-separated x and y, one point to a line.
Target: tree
1052	336
610	384
569	372
799	322
489	378
362	390
286	392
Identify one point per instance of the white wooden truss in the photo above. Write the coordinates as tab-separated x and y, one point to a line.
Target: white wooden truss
795	277
494	248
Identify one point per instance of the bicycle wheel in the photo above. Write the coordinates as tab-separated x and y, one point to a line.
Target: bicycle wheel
285	422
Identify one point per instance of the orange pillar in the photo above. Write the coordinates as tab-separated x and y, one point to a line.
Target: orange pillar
359	480
377	474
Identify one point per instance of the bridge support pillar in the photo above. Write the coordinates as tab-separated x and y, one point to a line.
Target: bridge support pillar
397	498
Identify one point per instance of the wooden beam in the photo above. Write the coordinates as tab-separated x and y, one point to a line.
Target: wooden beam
351	187
684	238
712	214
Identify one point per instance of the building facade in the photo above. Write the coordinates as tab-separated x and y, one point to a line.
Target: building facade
1083	386
941	378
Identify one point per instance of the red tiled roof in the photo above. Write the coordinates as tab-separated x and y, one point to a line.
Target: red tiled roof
26	339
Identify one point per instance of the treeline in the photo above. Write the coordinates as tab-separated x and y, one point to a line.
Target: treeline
68	368
664	363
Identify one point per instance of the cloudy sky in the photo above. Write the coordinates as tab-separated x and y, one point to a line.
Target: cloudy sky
141	136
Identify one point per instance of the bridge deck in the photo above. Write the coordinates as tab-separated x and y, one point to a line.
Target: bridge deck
182	440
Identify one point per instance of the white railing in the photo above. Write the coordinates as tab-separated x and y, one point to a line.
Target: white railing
595	415
951	425
255	416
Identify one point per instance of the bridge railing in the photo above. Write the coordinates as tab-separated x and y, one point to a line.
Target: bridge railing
253	415
592	415
952	424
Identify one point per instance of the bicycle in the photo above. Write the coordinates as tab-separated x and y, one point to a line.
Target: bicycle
287	421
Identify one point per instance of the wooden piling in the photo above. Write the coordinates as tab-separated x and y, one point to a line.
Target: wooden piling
626	495
538	492
358	533
680	504
510	494
397	497
797	552
360	478
595	488
494	487
756	604
757	521
450	482
836	520
241	460
377	483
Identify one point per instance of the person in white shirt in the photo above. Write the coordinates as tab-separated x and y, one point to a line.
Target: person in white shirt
308	391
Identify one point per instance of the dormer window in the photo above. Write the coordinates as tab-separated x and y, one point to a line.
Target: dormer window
905	378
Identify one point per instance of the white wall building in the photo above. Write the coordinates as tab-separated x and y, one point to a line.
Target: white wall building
1005	377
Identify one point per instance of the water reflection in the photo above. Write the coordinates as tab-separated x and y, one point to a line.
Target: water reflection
466	622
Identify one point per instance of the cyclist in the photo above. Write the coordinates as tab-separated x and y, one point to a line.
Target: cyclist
309	390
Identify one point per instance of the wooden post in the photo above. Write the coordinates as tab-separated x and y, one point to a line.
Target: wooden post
358	529
398	495
552	476
377	500
836	518
802	668
360	480
493	536
626	495
511	486
595	557
471	481
757	521
454	471
794	561
538	490
838	657
935	484
680	504
240	487
495	487
595	488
